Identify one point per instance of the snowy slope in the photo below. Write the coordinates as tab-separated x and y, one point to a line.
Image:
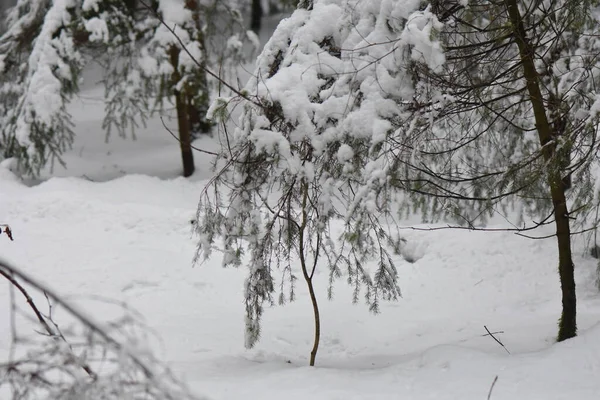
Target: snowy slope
129	239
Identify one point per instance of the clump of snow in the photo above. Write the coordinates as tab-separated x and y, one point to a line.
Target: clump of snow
254	39
174	12
189	59
418	33
98	29
345	153
89	5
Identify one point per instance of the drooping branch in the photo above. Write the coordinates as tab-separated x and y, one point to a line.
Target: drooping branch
48	361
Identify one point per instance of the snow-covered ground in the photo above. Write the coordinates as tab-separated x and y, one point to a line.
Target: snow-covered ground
129	238
117	224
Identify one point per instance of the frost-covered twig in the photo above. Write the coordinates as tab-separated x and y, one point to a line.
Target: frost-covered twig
52	332
46	364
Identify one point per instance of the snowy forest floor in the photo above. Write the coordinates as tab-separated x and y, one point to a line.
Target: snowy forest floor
116	223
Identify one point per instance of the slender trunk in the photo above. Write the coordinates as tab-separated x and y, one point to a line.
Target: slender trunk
256	16
568	320
183	122
185	136
317	337
309	276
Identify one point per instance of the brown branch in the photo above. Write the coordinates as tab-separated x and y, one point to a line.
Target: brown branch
179	140
10	272
473	228
497	341
593	228
7	230
55	334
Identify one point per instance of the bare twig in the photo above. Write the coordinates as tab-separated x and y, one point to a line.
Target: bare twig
7	230
489	396
496	339
10	272
495	333
179	140
53	333
516	230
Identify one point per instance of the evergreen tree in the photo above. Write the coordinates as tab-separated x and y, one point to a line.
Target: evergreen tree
151	52
305	181
452	109
510	118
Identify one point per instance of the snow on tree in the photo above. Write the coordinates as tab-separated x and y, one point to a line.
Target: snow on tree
138	43
39	61
305	184
366	111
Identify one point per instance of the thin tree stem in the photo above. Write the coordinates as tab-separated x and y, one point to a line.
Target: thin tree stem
308	276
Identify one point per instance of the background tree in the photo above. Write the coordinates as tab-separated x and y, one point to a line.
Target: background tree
259	8
48	43
40	65
510	118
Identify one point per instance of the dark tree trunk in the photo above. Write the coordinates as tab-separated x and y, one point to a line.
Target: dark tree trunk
256	16
183	122
567	327
185	134
568	319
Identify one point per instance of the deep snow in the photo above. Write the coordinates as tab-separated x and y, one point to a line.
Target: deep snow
129	238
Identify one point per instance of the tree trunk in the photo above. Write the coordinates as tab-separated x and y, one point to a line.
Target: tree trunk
183	122
256	16
185	134
308	276
317	337
568	320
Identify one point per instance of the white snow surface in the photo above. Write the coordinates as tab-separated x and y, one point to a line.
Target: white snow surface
117	224
128	238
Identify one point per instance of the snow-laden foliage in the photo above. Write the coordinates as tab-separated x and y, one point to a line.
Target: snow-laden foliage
511	118
48	42
478	138
313	145
159	58
39	64
358	106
